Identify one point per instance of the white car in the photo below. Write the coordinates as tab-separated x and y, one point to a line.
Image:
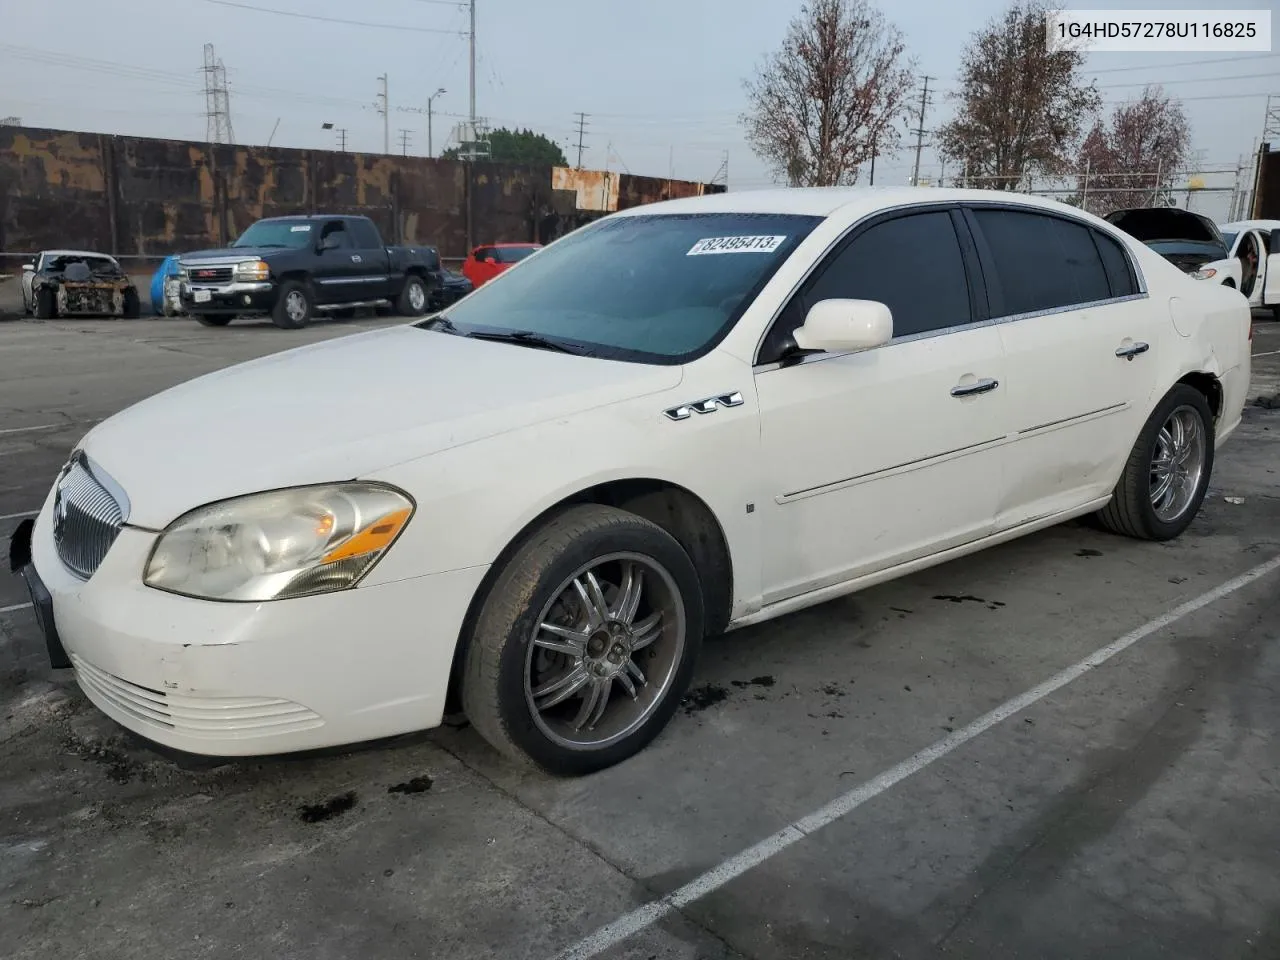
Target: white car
1256	244
1190	241
681	419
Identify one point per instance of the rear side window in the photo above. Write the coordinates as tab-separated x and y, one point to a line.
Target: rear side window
364	234
482	252
912	264
513	254
1042	262
1116	263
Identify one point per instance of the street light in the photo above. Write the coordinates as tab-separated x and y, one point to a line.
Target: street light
430	100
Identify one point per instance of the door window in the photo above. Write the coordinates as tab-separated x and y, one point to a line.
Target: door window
1115	261
364	234
335	234
912	264
1042	262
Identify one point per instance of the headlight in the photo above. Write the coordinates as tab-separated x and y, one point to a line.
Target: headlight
1205	273
280	544
253	270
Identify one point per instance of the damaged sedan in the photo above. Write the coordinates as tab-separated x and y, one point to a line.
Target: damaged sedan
76	283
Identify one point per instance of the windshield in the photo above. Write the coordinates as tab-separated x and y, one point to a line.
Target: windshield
95	264
512	254
277	233
659	288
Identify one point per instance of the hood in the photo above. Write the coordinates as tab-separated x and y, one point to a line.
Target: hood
1153	224
342	409
227	253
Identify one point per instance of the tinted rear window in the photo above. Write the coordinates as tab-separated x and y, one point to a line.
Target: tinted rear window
1042	262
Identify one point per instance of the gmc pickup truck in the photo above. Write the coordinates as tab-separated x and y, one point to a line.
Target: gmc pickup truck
291	268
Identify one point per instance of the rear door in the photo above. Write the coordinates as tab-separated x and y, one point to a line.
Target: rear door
371	279
1081	340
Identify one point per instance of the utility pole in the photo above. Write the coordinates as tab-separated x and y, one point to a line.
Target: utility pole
383	104
430	101
404	141
342	139
472	38
875	148
582	126
217	99
924	104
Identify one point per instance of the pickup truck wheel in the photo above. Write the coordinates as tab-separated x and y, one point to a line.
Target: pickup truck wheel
586	642
1168	470
214	320
46	304
413	298
293	306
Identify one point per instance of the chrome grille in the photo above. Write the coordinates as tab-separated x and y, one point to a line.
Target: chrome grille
87	518
198	274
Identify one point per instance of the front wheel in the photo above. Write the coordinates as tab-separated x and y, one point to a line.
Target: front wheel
214	319
46	307
586	642
1167	473
293	306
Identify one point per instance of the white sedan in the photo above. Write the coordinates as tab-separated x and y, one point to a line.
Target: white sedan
679	420
1256	244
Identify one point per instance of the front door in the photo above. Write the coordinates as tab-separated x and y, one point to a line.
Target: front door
875	458
1271	283
1082	344
338	264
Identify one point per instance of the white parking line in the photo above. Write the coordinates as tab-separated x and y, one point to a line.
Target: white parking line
43	426
715	878
1269	353
15	608
19	515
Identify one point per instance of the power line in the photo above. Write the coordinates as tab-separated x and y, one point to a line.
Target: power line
1184	63
402	28
1162	83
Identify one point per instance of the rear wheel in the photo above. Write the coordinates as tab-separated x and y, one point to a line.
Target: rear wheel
586	642
46	304
412	301
132	307
293	306
1168	470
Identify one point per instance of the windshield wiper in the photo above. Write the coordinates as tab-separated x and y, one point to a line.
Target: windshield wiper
526	338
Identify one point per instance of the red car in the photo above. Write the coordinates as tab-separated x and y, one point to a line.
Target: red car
487	262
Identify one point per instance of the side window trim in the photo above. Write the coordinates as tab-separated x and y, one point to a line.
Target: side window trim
996	293
975	277
838	246
1098	238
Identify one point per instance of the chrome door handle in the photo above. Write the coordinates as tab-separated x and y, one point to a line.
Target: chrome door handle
978	386
1131	351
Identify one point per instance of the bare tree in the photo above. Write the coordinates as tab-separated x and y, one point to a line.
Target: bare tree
832	97
1129	159
1020	109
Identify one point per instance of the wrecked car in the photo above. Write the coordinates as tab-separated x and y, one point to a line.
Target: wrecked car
1191	242
67	283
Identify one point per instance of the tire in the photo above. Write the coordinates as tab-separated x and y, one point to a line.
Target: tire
294	306
214	319
412	301
503	668
131	309
46	304
1275	313
1131	512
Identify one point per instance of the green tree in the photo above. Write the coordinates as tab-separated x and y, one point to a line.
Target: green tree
519	146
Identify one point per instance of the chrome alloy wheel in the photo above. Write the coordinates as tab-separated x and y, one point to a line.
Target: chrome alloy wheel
1177	464
417	296
605	651
295	305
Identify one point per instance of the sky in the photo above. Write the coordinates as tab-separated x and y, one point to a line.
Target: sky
660	81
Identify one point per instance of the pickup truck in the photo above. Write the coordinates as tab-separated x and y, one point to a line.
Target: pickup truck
292	268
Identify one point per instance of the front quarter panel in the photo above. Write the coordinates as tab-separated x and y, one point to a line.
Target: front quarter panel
473	500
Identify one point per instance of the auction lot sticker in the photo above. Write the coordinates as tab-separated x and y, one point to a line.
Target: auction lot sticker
711	245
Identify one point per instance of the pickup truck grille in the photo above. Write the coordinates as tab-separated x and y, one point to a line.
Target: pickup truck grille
198	274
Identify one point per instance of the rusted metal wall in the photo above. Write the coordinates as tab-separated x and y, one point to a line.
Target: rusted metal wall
1266	200
142	197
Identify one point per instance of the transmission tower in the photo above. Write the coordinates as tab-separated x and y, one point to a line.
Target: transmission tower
217	100
582	129
404	141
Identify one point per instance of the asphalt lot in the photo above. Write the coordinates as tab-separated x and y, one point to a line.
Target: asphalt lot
1129	813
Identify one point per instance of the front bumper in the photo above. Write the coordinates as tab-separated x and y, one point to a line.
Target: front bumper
234	297
253	679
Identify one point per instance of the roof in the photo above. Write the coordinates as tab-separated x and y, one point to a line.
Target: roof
1237	225
75	253
824	201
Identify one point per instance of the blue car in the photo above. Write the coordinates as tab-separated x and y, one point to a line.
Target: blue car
164	289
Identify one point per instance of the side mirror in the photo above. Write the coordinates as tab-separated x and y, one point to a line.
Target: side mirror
842	326
490	260
28	268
